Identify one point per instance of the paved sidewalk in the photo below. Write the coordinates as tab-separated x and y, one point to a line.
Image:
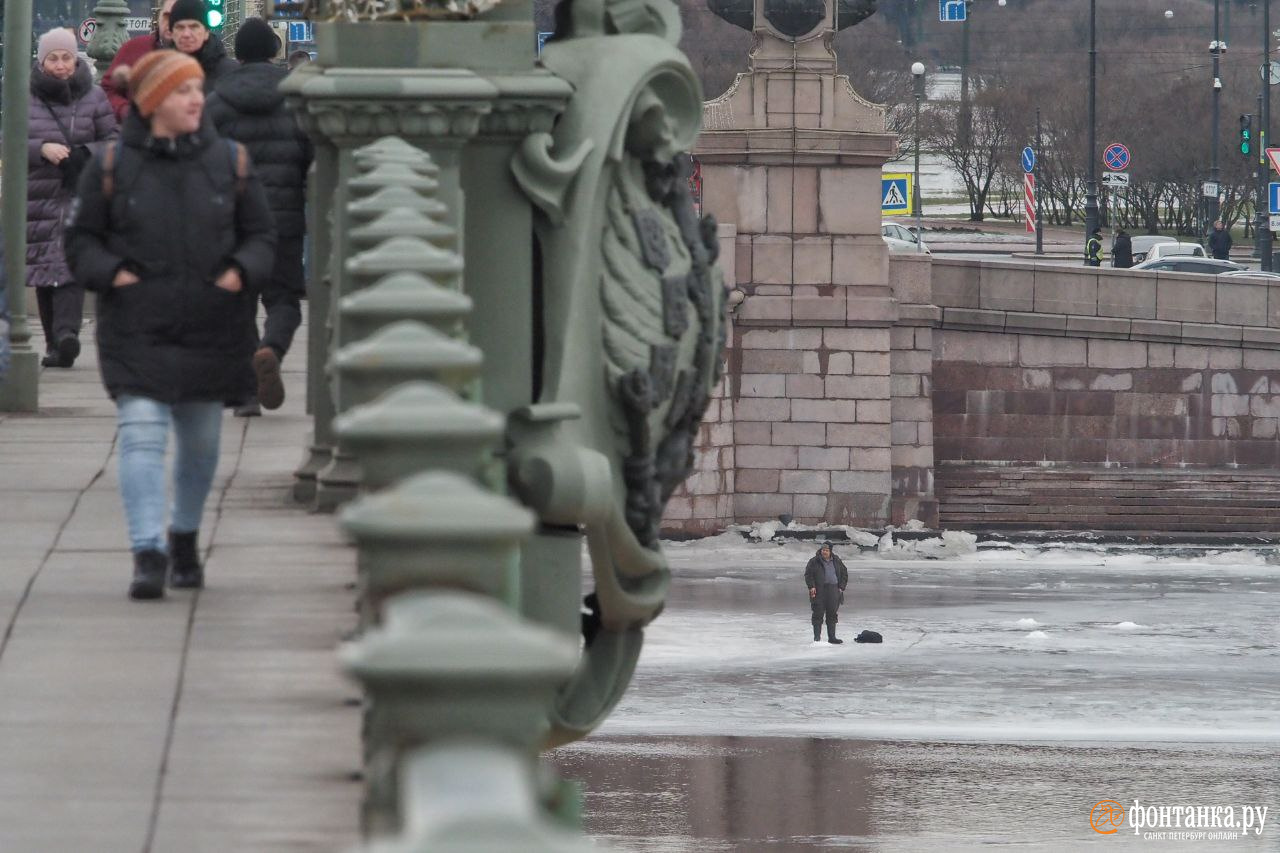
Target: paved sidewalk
212	721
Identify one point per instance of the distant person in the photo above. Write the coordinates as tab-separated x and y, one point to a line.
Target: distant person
1093	249
1220	242
130	52
1122	250
298	57
173	233
189	32
826	577
70	118
248	106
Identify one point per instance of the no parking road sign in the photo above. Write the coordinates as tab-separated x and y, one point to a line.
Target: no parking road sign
1116	157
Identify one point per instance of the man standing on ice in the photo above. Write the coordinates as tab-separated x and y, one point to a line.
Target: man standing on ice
826	577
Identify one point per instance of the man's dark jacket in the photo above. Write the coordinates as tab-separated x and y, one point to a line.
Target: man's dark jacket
1122	251
178	220
213	58
815	572
1220	244
247	106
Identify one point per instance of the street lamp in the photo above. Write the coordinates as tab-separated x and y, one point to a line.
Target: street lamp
917	71
1215	174
1091	184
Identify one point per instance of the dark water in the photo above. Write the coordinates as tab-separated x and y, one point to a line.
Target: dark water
792	794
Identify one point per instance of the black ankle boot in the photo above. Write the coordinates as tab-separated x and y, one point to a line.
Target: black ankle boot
149	570
831	637
187	572
817	633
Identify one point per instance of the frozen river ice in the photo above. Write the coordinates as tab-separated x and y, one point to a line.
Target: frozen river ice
1013	680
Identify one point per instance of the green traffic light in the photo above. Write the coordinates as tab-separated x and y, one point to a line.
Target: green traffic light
215	19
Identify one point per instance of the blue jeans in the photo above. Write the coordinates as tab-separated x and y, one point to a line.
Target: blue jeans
144	433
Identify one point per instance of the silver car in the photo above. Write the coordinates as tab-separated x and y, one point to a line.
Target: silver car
901	239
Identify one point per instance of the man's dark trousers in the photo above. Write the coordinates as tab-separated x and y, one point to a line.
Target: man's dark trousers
282	296
825	603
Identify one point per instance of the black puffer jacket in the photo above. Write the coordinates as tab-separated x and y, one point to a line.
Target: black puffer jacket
176	219
247	106
213	58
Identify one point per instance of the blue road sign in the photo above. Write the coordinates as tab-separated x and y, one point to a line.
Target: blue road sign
1116	157
895	195
301	31
1028	160
1274	195
952	10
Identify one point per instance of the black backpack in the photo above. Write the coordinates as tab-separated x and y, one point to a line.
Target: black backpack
868	637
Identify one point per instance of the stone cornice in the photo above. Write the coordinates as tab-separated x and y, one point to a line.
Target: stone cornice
1113	328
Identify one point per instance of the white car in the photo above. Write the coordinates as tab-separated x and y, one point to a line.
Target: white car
901	239
1165	250
1143	243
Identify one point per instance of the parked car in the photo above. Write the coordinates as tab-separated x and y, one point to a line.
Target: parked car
1166	250
1143	243
1187	263
1270	276
901	239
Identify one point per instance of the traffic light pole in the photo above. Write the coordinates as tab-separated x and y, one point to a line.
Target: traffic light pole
1262	236
1091	186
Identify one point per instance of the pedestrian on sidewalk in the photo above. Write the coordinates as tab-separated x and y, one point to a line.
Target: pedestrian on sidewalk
130	52
69	119
1122	250
248	106
172	230
1093	249
826	577
1220	242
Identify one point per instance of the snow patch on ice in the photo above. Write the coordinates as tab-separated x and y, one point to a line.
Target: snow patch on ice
1127	626
1037	635
1027	623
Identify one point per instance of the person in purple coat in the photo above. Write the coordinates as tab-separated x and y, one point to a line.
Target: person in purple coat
70	119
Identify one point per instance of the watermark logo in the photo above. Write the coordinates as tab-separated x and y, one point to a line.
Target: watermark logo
1106	817
1179	823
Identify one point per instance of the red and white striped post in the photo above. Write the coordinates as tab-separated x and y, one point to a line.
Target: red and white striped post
1029	201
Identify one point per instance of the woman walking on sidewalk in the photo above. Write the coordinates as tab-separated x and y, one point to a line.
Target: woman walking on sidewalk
70	118
173	231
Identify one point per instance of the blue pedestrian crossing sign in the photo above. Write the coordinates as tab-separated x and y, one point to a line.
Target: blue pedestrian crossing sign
1274	198
895	195
952	10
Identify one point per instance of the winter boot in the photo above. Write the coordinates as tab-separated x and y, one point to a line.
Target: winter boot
831	636
187	572
149	570
266	367
68	350
817	633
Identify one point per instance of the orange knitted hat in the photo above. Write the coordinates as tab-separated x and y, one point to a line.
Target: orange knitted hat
154	77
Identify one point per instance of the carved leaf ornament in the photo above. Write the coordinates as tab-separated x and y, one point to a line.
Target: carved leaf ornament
633	319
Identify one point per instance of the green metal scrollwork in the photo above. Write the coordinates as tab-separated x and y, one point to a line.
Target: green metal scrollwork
633	319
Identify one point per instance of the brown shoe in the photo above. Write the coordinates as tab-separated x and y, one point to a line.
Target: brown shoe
266	366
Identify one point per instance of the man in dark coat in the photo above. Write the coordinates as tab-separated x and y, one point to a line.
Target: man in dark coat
1122	250
1220	242
188	22
247	106
826	577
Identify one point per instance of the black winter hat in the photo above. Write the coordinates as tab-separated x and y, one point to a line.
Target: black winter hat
256	41
189	10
